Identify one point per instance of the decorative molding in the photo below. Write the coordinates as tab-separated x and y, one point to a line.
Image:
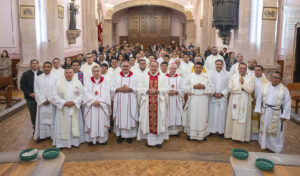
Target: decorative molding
135	3
72	35
71	51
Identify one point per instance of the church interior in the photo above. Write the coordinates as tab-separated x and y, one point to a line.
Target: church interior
265	30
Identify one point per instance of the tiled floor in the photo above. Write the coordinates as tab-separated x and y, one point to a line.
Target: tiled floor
176	156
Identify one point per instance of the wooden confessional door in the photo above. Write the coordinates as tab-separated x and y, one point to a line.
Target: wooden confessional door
149	25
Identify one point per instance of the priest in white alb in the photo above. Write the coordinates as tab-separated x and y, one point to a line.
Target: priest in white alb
97	104
86	68
175	101
274	104
235	67
211	59
114	69
153	90
44	87
186	65
218	101
260	81
238	120
68	128
125	112
195	113
57	70
141	70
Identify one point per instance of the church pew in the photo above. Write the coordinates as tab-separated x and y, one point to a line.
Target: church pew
295	87
7	82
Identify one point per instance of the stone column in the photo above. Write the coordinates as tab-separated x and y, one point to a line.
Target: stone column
291	23
55	31
208	33
89	27
190	32
267	55
28	44
107	32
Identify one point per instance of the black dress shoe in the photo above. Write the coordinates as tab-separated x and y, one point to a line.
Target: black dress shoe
129	140
40	140
177	135
90	144
188	138
147	144
120	140
158	146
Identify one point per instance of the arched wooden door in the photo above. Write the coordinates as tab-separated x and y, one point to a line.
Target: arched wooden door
149	25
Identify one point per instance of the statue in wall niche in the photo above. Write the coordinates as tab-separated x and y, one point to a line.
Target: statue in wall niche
73	12
73	33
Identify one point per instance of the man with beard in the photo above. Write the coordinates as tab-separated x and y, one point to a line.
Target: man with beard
251	66
210	60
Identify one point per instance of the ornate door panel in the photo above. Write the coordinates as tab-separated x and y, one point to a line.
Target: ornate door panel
149	25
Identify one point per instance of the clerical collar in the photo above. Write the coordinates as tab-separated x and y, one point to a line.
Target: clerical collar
156	74
129	74
94	81
169	75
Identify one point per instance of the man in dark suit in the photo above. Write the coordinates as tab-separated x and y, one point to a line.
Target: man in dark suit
27	86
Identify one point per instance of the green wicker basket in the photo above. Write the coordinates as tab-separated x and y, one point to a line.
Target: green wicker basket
240	154
51	153
264	164
28	154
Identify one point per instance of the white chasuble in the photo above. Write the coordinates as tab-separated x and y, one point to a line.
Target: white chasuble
68	129
238	121
125	111
274	104
44	87
195	114
96	118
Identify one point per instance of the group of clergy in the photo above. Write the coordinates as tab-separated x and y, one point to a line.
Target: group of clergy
148	98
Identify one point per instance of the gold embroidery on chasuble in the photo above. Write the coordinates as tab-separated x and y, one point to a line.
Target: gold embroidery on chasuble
153	104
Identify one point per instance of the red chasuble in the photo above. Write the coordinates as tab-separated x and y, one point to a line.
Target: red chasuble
153	103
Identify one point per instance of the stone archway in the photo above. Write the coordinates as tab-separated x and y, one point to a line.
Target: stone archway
134	3
107	25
